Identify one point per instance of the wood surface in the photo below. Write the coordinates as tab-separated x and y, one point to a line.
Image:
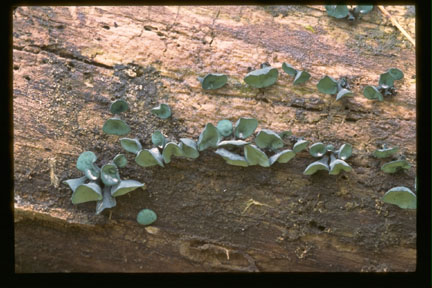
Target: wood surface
69	63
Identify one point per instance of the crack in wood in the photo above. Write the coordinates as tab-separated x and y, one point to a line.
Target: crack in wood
63	53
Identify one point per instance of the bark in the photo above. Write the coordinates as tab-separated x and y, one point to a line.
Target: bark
70	62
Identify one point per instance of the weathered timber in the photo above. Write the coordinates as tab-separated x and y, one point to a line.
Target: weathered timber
70	62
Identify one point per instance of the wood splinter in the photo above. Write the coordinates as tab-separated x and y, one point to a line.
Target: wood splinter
395	23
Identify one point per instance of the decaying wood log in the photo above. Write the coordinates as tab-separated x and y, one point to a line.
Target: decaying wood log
70	62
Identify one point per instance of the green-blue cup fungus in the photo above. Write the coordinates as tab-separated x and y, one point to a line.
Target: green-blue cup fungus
110	175
87	192
232	158
162	111
401	196
262	78
189	148
345	151
245	127
316	166
329	154
232	143
83	192
338	165
86	164
372	93
329	85
213	81
74	183
254	156
337	11
385	85
116	126
268	139
131	145
385	152
317	149
342	11
149	157
300	145
300	77
282	157
107	177
330	148
146	217
171	149
394	166
225	127
107	202
124	187
120	160
158	139
285	134
209	137
343	93
119	106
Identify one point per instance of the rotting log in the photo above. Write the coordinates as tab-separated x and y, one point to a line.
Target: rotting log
70	62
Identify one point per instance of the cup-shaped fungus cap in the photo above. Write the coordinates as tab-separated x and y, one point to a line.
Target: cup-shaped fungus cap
110	174
262	78
395	73
394	166
209	137
213	81
337	11
163	111
327	85
232	158
225	127
87	192
158	139
115	126
289	69
254	156
125	186
385	152
85	163
300	145
363	9
232	143
345	151
337	165
189	148
317	166
119	106
107	202
343	93
146	217
372	93
131	145
282	157
149	157
317	149
120	160
245	127
171	149
268	139
402	197
301	77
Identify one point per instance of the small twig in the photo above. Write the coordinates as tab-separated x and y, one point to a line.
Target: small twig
251	202
395	23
